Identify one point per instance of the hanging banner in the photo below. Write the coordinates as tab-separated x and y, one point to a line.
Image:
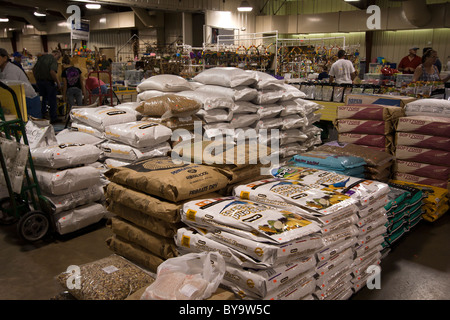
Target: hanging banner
80	32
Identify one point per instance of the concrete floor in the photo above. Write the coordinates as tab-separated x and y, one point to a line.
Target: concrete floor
417	268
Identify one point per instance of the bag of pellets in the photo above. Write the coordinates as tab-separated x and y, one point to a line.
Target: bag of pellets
230	77
326	161
77	218
130	107
267	281
65	155
59	182
266	81
215	115
193	276
300	286
147	94
290	93
209	100
67	136
428	107
267	97
126	152
162	177
39	133
75	199
247	219
169	105
244	107
360	190
164	83
110	278
139	134
269	111
84	128
244	252
240	93
100	117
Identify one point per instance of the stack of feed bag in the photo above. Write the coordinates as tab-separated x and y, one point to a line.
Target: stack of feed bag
435	202
352	218
404	210
241	161
153	88
261	104
346	165
69	179
423	150
379	164
159	85
146	197
269	252
372	126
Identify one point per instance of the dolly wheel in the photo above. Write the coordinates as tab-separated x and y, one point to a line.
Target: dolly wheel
33	226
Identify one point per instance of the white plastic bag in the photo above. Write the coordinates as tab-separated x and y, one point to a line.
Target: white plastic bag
164	83
39	133
193	276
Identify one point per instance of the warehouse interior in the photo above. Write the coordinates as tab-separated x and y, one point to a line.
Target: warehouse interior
357	177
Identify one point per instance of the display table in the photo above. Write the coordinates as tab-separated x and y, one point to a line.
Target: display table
123	91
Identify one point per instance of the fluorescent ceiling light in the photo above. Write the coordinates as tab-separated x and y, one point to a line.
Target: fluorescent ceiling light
39	14
351	0
4	19
93	6
245	7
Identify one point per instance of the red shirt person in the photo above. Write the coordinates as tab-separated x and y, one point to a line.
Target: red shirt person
409	63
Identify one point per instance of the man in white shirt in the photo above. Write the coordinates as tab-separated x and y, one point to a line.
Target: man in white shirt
11	74
342	71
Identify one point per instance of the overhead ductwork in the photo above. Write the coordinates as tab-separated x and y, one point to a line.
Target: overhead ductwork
416	12
29	17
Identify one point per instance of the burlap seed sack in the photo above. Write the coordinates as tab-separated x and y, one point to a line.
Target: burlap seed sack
169	105
163	178
160	246
135	254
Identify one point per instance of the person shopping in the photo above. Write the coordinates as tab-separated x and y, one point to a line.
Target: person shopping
73	84
342	71
427	71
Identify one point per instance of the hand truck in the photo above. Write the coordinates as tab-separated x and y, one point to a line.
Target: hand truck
29	208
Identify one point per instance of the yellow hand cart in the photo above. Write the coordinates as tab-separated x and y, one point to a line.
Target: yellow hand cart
25	205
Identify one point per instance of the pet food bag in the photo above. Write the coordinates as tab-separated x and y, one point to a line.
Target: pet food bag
247	219
79	217
100	117
428	156
139	134
423	169
428	107
67	136
169	105
369	112
75	199
39	133
163	178
364	126
423	141
230	77
59	182
164	83
65	155
240	93
129	153
84	128
209	100
427	125
323	204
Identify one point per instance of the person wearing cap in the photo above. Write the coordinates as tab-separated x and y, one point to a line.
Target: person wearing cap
409	63
17	60
342	71
45	71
